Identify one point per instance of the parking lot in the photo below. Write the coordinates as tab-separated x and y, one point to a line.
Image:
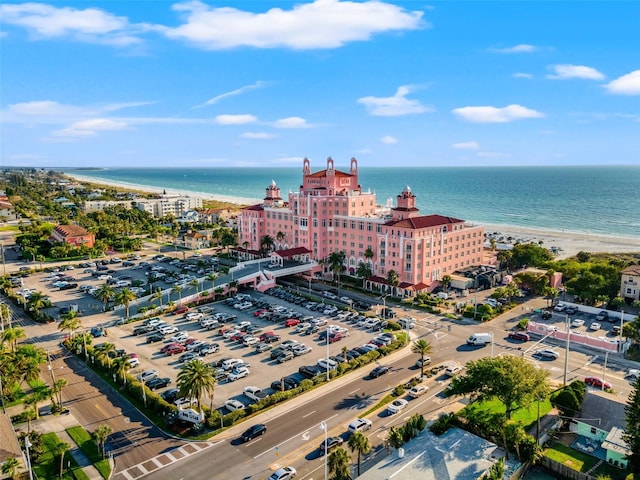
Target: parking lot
580	322
231	343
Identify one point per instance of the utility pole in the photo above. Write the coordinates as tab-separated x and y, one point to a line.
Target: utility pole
566	353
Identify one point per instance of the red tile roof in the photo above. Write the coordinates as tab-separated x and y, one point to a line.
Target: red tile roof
71	231
323	173
292	251
424	221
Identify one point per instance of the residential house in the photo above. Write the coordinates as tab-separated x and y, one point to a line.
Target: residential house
190	216
630	284
600	426
73	235
196	240
9	447
6	208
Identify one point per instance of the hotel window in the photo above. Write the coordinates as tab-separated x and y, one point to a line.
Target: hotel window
315	223
353	225
360	226
369	226
379	228
324	222
303	222
330	223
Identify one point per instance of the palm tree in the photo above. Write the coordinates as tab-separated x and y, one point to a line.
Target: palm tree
60	449
195	379
10	467
178	289
70	321
422	348
358	442
212	278
29	358
194	283
156	296
336	263
266	245
393	280
125	297
36	302
233	286
364	271
338	463
31	410
280	236
121	366
104	352
368	254
105	294
446	282
5	314
11	336
56	391
100	435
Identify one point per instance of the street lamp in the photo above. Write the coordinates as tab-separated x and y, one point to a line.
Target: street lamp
27	444
323	426
566	353
144	394
328	378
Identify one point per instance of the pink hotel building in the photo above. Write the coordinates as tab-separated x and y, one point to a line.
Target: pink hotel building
330	213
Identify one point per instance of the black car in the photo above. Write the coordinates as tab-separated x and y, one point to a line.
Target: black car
253	432
158	382
378	371
155	337
170	395
285	383
69	286
546	315
330	444
310	371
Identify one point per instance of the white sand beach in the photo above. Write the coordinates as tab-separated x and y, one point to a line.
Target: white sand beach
566	243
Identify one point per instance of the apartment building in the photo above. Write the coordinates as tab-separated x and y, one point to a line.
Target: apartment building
330	212
169	205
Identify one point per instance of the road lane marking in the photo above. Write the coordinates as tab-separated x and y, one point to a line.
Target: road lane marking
351	393
310	413
292	437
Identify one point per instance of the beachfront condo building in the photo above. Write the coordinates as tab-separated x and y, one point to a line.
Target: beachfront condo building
331	213
169	205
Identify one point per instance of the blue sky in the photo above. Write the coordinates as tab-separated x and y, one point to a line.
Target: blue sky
233	83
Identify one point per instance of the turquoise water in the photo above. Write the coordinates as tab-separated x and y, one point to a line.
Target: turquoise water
591	199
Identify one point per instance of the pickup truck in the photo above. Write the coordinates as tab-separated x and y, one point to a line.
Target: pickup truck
254	393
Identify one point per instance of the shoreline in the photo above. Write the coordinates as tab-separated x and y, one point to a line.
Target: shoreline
568	243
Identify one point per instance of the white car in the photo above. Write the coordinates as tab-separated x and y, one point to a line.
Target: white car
561	307
418	391
577	322
232	405
195	345
194	316
547	353
179	337
249	341
452	370
168	330
397	405
359	425
301	350
286	473
147	375
238	373
595	326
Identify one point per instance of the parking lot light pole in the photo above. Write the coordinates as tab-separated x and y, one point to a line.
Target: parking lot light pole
328	378
323	426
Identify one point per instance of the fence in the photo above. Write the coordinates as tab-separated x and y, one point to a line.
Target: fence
563	470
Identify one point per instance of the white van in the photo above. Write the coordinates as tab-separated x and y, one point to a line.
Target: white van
479	339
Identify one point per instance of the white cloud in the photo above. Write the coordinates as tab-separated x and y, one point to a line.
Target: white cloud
90	25
88	128
291	122
521	48
488	114
319	24
522	75
257	135
466	146
235	119
45	108
238	91
564	72
628	84
394	106
389	140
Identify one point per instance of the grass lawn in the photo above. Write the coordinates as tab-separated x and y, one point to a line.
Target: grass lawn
526	416
48	465
571	458
9	228
90	449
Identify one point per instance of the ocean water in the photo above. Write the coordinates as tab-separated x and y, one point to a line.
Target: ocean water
584	199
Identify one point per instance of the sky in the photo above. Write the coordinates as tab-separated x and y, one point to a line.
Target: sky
230	83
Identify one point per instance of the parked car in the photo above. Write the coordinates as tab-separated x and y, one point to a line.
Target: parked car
547	353
359	425
561	307
232	405
452	370
158	382
603	316
571	310
595	326
546	315
578	322
147	375
330	444
521	336
285	356
237	374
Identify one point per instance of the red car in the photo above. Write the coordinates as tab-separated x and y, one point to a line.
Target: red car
257	313
175	349
181	310
597	382
292	322
336	337
169	346
523	337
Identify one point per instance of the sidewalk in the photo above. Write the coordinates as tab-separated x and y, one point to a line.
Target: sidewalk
48	423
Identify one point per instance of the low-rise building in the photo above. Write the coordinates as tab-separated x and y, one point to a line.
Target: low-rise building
169	205
630	284
73	235
99	205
